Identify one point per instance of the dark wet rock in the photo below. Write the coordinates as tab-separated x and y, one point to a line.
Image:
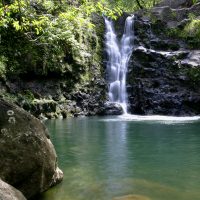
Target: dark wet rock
176	4
28	158
55	100
172	18
110	108
164	71
8	192
161	82
164	45
193	59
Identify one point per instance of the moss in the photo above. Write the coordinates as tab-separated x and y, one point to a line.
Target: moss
2	67
190	33
28	95
194	75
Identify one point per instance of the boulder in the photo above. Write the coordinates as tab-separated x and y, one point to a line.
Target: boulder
8	192
28	158
111	108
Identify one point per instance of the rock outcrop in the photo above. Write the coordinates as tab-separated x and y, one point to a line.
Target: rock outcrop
162	83
176	4
78	90
28	158
7	192
110	108
164	70
52	98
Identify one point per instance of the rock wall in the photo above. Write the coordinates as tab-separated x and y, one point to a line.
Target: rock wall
163	76
80	92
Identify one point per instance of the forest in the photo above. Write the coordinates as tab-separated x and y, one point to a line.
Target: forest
36	35
113	85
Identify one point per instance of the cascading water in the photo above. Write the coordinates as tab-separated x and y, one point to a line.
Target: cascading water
119	53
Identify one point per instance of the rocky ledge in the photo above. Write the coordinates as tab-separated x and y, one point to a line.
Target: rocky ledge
162	82
28	158
164	69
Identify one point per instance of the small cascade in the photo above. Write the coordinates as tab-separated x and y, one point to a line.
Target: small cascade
119	53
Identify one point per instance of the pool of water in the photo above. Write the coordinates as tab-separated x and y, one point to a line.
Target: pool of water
157	158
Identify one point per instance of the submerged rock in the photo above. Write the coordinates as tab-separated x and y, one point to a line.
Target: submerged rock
28	158
132	197
7	192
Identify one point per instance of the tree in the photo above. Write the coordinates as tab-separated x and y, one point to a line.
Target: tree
139	5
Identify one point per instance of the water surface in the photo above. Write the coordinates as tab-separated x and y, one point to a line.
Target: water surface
103	158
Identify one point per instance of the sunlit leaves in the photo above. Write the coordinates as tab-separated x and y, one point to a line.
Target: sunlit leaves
132	5
52	28
193	28
16	25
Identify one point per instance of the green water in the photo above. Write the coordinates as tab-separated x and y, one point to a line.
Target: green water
103	158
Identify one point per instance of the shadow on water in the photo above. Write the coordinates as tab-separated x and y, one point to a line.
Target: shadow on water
104	158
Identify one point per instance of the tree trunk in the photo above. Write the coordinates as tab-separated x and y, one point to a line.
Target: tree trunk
20	12
139	5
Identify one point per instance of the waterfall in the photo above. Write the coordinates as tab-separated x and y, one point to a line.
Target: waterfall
119	53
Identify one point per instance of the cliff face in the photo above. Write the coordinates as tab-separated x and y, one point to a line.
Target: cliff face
164	69
163	75
79	90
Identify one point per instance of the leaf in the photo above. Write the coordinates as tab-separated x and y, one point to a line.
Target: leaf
16	25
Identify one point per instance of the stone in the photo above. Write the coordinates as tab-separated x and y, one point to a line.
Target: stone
192	60
173	18
110	108
28	158
132	197
176	4
8	192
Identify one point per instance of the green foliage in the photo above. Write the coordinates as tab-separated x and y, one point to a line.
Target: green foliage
194	1
28	95
190	32
47	36
194	75
132	5
2	67
192	29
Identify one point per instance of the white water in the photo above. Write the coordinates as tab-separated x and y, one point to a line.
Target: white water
119	53
154	118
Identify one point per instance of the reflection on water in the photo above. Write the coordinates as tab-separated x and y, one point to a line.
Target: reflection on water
107	158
